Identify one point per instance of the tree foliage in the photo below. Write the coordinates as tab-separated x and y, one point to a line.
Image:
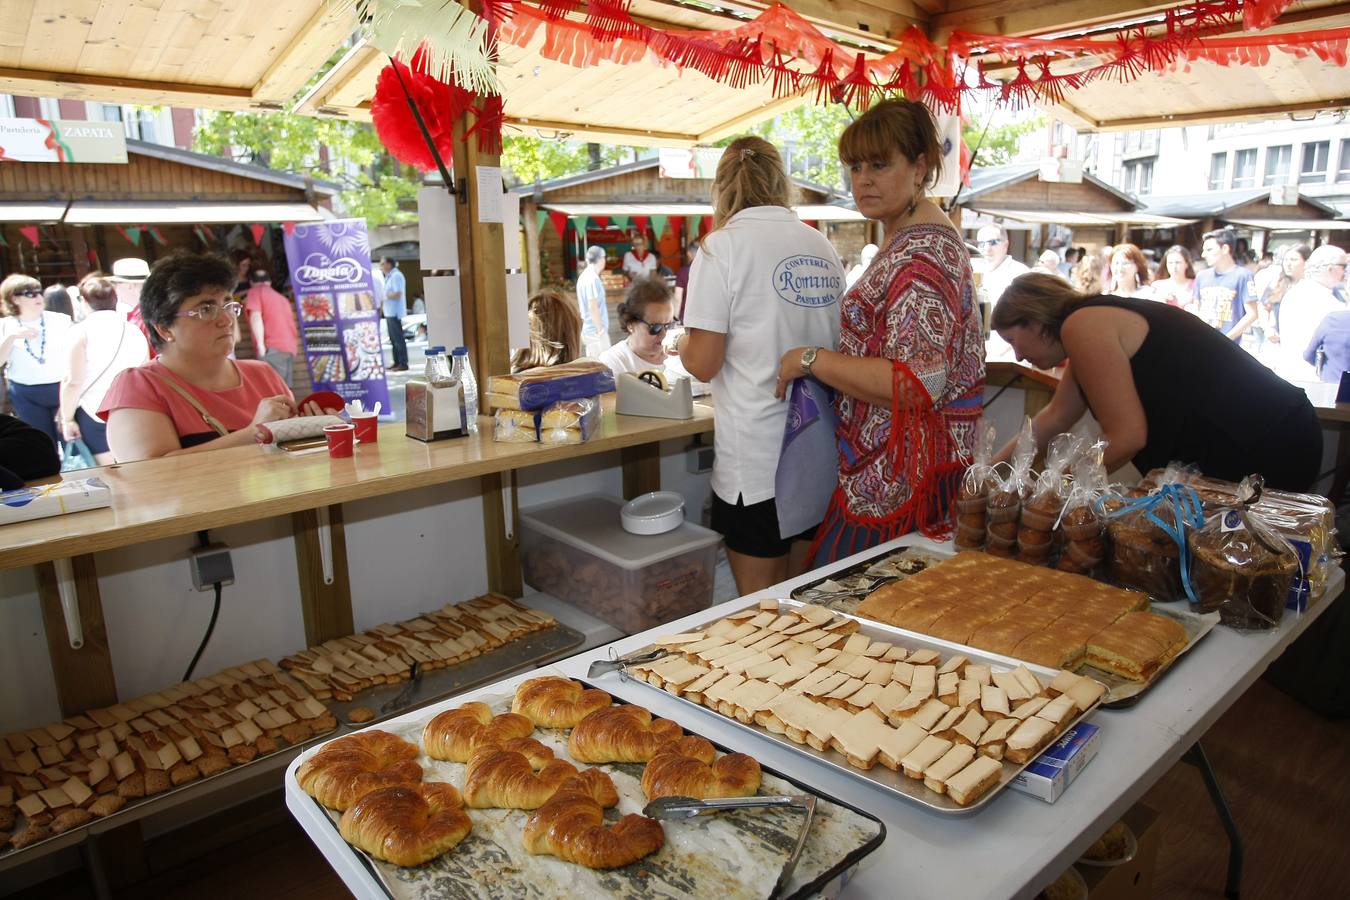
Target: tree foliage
808	138
374	185
1000	144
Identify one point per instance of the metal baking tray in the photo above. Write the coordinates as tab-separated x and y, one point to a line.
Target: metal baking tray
490	870
897	783
842	591
527	651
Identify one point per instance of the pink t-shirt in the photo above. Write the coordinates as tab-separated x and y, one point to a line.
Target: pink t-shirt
143	388
278	317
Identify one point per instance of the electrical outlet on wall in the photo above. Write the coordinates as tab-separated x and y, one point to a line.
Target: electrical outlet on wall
698	459
211	565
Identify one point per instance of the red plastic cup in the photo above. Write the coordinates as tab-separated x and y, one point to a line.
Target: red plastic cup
339	440
367	427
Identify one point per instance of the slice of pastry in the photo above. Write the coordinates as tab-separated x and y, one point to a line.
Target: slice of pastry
954	760
972	782
1032	736
898	743
928	751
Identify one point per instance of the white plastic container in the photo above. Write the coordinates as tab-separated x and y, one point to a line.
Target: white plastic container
578	551
653	513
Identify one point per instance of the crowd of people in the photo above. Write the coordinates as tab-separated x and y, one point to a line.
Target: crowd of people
1279	307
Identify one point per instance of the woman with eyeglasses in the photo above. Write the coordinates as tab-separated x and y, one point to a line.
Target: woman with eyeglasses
193	396
32	349
646	313
763	281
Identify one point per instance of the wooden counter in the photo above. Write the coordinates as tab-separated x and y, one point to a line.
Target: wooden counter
161	498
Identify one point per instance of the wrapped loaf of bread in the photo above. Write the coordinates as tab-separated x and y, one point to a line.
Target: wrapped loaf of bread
1080	523
515	426
1041	511
1007	494
1148	536
535	389
972	498
570	422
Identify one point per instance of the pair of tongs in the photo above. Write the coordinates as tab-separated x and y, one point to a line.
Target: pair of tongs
621	663
689	807
404	697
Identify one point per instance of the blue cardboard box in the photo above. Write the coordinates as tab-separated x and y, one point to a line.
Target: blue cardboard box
1050	774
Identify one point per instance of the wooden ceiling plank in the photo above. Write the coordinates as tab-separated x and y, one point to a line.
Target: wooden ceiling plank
14	25
303	53
1021	17
122	90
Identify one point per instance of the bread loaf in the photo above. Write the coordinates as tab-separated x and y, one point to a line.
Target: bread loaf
350	767
571	826
554	702
625	734
672	774
456	733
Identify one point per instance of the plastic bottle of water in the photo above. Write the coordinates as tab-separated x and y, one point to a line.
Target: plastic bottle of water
464	369
436	369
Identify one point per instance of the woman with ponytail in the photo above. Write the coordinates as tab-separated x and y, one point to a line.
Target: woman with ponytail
909	372
1163	385
763	281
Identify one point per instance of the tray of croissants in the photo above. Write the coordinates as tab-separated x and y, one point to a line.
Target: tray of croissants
554	790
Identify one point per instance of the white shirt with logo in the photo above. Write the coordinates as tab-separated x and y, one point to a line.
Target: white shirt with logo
769	283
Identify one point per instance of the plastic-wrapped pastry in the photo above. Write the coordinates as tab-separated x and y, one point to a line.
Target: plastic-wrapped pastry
973	497
570	422
514	426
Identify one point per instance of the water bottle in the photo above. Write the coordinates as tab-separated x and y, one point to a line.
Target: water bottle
435	369
464	369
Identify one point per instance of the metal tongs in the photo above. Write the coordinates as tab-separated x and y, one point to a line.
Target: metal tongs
620	663
688	808
404	697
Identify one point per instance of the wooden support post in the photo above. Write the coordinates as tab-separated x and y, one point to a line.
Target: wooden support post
503	553
84	677
482	260
641	469
533	262
327	608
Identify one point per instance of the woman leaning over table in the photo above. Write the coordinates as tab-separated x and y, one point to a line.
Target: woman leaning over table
32	344
191	397
909	372
101	346
1162	384
763	281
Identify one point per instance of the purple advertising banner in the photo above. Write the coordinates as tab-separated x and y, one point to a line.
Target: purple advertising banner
337	308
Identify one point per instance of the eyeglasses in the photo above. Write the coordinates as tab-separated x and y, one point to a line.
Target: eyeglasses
28	292
210	312
987	243
656	329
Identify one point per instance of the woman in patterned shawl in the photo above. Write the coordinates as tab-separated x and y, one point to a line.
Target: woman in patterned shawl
909	371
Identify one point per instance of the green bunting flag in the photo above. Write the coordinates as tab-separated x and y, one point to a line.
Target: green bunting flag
659	225
540	218
621	222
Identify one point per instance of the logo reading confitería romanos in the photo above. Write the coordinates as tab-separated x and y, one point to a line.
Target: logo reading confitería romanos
320	270
810	281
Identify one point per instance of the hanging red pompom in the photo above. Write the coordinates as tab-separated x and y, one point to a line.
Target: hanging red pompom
440	104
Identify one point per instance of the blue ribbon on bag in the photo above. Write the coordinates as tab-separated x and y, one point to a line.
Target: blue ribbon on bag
1186	511
808	462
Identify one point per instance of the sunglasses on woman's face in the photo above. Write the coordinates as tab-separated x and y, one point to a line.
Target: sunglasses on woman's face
29	292
656	329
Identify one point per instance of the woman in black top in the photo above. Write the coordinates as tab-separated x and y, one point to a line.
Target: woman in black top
1162	384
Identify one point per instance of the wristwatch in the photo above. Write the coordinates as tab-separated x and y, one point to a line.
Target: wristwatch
808	359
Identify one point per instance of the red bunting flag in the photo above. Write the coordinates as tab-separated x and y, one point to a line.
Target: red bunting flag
154	233
32	233
559	220
258	232
640	223
601	222
288	227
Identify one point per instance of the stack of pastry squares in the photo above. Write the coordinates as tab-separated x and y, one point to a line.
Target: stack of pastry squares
813	677
1041	615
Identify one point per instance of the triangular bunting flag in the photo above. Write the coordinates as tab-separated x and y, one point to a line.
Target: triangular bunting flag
288	227
706	225
32	233
620	222
131	233
3	242
258	232
659	225
601	222
540	217
93	259
640	223
559	220
154	233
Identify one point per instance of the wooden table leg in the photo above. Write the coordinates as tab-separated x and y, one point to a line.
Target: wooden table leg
641	469
327	608
84	677
502	543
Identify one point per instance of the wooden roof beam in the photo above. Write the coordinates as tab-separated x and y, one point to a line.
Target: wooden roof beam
882	23
294	65
113	89
1022	17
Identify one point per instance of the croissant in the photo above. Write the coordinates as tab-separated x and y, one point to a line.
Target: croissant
553	702
671	774
406	826
350	767
455	733
511	779
571	826
624	734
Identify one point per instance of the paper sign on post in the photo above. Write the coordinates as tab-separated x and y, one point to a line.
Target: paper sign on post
489	186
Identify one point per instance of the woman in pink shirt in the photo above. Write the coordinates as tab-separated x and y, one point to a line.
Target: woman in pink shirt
193	396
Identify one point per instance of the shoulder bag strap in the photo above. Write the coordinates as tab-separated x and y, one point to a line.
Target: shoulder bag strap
211	421
112	359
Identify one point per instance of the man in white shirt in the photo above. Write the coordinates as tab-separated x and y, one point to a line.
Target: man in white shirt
591	299
1000	268
640	262
1304	307
865	258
